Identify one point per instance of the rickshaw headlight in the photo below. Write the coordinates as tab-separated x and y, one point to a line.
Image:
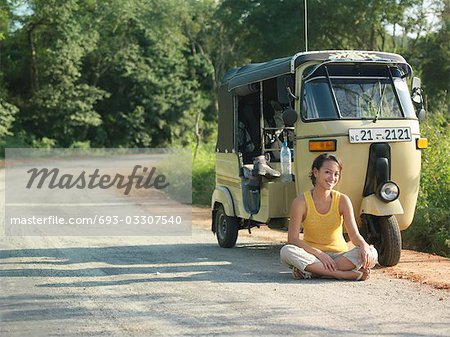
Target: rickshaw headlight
389	191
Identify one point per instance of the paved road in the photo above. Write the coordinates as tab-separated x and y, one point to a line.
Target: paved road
162	286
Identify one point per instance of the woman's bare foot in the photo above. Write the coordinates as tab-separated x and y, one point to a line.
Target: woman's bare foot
363	274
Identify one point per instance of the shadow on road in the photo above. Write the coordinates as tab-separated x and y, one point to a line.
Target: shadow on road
61	294
161	263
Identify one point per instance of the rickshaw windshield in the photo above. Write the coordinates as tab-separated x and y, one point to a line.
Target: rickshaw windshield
336	94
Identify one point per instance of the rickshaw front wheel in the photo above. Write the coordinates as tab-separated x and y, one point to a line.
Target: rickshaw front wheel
227	229
389	243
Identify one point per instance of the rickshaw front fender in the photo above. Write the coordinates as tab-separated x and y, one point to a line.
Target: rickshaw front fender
374	206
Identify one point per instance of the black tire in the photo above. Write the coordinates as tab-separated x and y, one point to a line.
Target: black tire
227	229
389	246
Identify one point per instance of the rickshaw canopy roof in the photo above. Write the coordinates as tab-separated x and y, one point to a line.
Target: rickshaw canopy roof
256	72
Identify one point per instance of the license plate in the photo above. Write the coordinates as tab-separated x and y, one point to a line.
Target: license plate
376	135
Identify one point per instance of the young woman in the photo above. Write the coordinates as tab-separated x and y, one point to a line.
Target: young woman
321	212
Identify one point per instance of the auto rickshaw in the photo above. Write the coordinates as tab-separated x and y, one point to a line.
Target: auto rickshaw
355	104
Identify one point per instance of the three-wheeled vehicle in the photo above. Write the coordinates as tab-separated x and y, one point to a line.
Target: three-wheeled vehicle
355	104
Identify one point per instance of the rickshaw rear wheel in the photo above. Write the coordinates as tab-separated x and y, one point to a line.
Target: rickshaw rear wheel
389	245
227	228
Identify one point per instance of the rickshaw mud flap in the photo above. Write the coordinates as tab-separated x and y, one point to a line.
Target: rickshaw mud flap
251	195
374	206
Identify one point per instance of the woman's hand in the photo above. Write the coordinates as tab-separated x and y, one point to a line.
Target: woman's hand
327	261
364	256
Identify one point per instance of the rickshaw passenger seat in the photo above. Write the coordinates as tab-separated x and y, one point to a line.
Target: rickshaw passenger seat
251	122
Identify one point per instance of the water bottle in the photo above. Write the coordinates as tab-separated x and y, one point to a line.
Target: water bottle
285	160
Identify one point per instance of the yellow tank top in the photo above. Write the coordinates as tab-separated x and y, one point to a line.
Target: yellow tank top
324	231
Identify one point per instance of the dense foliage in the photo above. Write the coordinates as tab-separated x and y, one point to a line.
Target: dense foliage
431	227
106	73
145	73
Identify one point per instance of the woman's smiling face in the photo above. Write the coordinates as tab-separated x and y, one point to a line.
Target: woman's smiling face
328	175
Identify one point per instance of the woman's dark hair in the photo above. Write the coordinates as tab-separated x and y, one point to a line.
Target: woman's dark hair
318	162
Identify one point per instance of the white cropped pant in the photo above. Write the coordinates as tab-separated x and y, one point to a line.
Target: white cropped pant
293	256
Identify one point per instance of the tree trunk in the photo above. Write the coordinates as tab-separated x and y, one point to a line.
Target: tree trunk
34	79
394	42
197	133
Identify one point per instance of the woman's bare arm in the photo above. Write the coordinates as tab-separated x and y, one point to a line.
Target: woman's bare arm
298	212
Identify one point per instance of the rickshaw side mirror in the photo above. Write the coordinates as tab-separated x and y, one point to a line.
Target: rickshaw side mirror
416	92
417	98
416	83
290	116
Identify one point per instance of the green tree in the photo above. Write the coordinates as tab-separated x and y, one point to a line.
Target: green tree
43	61
115	73
430	230
7	110
5	18
432	59
146	72
269	29
59	92
142	59
211	54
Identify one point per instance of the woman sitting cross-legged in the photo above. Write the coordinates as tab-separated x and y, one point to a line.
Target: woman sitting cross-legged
321	212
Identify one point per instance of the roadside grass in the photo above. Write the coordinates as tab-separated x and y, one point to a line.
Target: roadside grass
203	175
11	142
430	230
